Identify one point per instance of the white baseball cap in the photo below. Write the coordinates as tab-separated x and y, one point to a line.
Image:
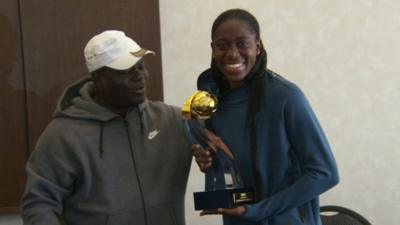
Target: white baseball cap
112	48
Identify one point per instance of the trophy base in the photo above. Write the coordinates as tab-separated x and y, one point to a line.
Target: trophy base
226	198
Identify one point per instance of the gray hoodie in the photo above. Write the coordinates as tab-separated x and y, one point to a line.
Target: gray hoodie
93	167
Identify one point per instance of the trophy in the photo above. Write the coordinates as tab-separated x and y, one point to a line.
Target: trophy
224	186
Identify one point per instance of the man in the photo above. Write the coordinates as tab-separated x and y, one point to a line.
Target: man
109	156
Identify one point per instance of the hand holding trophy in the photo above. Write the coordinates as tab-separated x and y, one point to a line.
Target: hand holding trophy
226	187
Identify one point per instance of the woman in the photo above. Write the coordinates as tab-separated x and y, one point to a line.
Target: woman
266	121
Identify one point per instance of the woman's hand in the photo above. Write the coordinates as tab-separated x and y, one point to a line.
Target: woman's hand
237	211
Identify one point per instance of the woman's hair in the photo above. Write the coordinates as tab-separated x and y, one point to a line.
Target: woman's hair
238	14
255	78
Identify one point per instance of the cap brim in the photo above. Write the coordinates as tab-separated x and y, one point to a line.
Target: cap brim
128	60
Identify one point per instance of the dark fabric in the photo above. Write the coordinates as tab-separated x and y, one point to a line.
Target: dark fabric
93	167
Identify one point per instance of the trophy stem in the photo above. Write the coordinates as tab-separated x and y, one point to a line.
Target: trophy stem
224	187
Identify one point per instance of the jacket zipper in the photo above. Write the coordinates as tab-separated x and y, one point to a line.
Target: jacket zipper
301	214
256	176
136	173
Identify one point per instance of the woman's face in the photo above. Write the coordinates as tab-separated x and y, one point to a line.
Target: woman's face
235	48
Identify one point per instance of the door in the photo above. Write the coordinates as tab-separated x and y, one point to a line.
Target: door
44	52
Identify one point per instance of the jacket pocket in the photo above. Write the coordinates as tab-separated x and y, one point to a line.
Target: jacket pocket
127	217
161	215
84	219
289	217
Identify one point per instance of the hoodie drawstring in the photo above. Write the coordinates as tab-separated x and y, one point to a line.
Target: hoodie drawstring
141	122
101	149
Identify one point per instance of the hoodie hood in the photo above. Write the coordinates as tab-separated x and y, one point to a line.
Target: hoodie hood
77	102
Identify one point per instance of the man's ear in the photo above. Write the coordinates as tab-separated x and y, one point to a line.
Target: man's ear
95	74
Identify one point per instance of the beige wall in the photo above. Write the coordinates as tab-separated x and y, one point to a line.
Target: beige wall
343	54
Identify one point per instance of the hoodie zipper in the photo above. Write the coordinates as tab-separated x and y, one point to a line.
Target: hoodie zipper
136	172
301	214
256	175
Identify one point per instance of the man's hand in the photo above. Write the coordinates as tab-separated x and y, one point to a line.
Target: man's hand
238	211
216	144
203	156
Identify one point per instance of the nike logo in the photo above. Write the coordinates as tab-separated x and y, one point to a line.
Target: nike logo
153	134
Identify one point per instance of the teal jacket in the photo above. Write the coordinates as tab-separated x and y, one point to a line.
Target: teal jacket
293	163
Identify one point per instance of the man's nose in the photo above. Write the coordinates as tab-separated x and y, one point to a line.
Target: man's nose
138	75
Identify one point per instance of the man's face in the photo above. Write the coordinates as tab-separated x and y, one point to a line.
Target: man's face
120	89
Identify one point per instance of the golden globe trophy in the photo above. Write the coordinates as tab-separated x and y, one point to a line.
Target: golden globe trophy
224	187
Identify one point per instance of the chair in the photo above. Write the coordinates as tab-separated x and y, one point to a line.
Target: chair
337	215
